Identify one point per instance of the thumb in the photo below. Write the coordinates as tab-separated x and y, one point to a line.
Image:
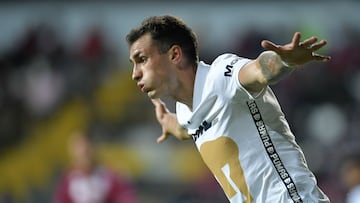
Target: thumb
162	138
156	102
159	105
269	45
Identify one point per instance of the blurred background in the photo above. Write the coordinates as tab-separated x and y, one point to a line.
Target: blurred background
64	66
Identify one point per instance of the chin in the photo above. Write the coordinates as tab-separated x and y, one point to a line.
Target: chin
152	95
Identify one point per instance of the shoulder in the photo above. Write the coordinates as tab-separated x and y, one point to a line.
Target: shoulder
227	59
225	64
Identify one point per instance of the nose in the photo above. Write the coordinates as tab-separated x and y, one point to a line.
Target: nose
136	74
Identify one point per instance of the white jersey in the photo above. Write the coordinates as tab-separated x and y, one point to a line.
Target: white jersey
245	140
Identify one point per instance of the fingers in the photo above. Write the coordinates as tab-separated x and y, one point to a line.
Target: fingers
269	45
162	138
159	106
273	47
156	102
308	42
319	57
318	45
160	111
299	52
312	46
311	43
296	38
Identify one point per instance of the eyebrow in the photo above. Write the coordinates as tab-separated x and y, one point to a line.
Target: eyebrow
136	55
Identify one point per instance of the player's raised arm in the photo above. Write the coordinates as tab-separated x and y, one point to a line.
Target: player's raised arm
279	60
168	122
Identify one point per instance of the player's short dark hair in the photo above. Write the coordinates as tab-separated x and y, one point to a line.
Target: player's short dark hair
167	31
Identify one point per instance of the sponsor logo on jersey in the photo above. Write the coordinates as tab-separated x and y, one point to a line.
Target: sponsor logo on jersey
228	71
229	68
205	125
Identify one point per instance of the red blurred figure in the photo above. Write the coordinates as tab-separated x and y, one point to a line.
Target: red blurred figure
88	182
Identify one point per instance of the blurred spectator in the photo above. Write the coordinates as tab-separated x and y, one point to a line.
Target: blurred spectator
87	181
350	175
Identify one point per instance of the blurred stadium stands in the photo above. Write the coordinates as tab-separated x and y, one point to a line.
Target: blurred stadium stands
65	66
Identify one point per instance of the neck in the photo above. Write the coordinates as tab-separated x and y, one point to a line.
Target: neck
185	91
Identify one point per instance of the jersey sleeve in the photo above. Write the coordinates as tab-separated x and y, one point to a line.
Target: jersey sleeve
224	76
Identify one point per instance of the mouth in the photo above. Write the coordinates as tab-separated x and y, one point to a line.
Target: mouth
143	88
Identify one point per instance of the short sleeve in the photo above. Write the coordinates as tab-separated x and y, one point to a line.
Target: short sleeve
224	75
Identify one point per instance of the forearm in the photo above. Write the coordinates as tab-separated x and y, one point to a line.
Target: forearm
272	67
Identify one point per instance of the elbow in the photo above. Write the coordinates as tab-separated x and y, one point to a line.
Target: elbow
271	67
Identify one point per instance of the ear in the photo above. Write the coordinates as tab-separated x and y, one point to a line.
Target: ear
175	54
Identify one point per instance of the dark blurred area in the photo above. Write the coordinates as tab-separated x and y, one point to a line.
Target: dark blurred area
64	66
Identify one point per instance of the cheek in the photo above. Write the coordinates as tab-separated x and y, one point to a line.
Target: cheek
158	74
152	76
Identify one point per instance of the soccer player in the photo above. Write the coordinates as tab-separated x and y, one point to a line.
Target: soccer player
228	109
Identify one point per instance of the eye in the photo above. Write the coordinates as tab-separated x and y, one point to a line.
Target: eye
143	59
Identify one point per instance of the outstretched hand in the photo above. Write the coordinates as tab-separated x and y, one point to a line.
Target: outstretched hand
168	122
296	52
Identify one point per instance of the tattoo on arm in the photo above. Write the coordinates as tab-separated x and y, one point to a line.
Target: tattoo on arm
272	68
